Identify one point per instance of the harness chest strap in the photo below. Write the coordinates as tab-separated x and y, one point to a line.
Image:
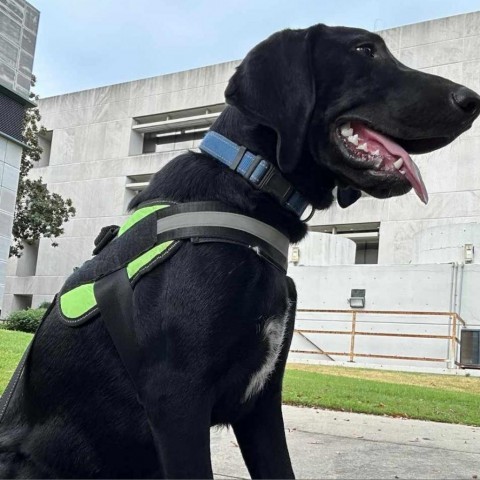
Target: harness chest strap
199	222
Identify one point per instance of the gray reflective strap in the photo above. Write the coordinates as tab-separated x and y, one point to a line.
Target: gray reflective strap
234	221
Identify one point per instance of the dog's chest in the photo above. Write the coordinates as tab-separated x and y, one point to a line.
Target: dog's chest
272	334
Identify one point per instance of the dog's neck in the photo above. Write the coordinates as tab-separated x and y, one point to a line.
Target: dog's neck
235	126
185	179
313	181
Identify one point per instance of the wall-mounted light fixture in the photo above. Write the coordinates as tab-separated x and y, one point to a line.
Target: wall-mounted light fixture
357	298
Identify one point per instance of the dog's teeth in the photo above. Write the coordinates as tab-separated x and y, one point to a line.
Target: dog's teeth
378	162
346	130
402	172
376	152
353	139
363	147
398	164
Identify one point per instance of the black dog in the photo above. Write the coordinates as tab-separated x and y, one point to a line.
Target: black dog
304	100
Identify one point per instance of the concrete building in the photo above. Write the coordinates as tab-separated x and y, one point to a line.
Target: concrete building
18	33
104	144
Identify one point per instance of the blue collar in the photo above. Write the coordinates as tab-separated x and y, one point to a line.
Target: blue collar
258	171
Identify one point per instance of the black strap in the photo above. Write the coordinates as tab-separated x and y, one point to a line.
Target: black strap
12	384
186	207
114	295
263	249
195	207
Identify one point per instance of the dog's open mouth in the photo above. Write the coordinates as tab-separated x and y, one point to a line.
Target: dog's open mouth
367	149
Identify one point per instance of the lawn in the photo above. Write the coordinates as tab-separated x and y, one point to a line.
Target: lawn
12	346
440	398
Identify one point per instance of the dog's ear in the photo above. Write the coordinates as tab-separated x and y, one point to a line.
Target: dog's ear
347	196
274	86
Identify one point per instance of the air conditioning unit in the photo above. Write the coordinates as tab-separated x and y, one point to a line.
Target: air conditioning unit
470	348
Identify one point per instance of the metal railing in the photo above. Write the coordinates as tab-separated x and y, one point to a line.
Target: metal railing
453	341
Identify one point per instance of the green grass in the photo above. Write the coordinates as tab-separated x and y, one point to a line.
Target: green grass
12	346
440	398
346	393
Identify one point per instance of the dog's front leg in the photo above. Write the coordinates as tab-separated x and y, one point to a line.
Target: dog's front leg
180	425
261	433
261	437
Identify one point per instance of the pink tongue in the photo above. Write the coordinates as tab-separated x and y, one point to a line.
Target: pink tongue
411	170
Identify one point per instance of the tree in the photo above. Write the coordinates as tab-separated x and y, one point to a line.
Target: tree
38	212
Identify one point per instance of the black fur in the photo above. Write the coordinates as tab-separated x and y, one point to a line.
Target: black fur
198	316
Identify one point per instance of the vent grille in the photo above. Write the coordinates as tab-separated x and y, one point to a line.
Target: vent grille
11	117
470	348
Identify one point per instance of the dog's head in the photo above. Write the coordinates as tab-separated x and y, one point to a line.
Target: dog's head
337	97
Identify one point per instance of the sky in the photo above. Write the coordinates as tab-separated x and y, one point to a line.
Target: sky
85	44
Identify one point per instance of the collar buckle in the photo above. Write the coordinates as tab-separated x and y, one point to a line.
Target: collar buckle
274	183
267	178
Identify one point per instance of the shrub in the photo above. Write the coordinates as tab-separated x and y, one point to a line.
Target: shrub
45	305
25	320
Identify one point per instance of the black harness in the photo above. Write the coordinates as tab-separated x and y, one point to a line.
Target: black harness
153	233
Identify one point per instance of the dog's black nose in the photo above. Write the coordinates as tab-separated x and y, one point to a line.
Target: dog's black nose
467	100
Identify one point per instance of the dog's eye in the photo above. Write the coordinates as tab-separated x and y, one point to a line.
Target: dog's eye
368	50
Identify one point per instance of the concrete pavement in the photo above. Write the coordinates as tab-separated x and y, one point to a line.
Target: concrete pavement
325	444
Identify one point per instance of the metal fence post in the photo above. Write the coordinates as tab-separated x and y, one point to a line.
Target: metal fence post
453	350
352	338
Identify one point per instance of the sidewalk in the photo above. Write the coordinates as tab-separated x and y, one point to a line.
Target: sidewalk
326	444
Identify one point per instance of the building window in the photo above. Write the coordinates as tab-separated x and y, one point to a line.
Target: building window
174	131
173	141
21	302
27	263
367	252
135	184
44	141
365	235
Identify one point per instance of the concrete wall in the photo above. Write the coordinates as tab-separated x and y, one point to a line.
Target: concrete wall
10	155
446	243
469	299
388	287
408	288
318	249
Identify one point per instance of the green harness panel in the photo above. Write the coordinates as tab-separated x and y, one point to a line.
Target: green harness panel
136	266
79	303
140	214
